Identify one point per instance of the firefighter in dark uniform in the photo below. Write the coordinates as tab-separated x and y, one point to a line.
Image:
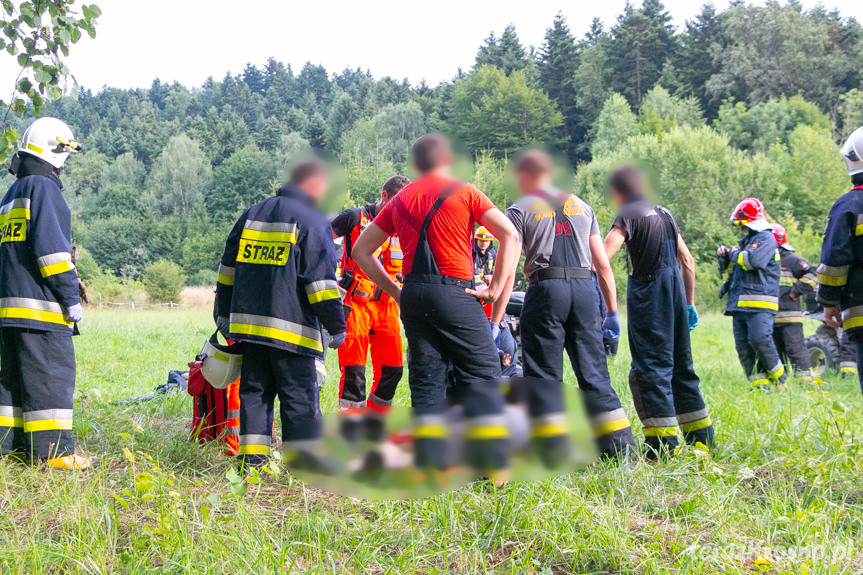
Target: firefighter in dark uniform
434	218
483	255
561	241
39	304
753	294
661	304
277	287
372	315
797	282
840	275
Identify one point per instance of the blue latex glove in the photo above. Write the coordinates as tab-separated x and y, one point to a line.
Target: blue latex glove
611	325
337	340
495	330
75	313
693	317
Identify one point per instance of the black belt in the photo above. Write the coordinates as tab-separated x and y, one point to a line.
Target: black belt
437	279
561	274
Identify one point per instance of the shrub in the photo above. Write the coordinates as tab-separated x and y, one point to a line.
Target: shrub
164	281
205	278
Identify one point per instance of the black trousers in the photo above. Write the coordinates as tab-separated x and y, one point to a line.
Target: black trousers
562	315
269	372
37	382
444	325
664	386
791	345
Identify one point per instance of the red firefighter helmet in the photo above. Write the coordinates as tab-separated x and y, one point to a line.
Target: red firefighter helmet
781	237
750	213
780	234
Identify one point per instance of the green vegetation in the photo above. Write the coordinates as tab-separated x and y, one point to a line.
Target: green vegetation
164	281
752	100
784	483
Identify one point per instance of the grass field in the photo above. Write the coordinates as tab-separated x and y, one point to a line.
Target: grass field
782	493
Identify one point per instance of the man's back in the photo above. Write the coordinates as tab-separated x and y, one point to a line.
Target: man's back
647	227
450	233
534	218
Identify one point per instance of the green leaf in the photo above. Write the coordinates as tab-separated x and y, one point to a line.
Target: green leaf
24	85
23	59
43	76
214	499
95	10
239	489
233	476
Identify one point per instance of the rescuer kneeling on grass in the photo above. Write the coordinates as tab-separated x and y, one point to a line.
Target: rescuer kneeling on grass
277	286
434	217
796	283
39	303
753	294
840	275
661	304
373	322
561	244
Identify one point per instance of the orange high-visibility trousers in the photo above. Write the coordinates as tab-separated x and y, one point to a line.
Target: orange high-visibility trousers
372	325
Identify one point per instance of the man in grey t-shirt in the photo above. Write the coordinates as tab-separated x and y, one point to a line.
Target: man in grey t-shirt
561	243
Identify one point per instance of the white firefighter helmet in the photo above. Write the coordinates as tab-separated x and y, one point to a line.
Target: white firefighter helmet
220	364
49	139
852	151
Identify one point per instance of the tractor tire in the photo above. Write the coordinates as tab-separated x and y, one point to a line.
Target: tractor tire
823	353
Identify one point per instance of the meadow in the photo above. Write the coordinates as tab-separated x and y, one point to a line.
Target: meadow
781	494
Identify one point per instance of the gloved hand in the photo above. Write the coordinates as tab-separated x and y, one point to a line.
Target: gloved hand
75	313
337	340
611	325
495	329
223	324
724	290
693	317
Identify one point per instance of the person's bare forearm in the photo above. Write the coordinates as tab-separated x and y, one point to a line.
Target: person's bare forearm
498	309
687	267
688	270
504	271
607	286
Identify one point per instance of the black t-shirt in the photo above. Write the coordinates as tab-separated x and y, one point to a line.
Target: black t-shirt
646	227
344	223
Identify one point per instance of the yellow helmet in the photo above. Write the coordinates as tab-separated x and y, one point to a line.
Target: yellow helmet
483	234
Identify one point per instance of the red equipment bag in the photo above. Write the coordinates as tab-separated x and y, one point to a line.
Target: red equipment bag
216	411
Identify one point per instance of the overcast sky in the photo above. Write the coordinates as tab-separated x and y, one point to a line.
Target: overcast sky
189	40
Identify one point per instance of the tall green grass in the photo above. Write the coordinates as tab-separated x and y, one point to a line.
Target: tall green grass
782	493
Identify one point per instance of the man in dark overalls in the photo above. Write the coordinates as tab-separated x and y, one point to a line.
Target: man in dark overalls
660	301
561	243
434	218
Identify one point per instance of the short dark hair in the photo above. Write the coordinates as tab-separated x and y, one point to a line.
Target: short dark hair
535	163
394	185
307	170
429	151
627	181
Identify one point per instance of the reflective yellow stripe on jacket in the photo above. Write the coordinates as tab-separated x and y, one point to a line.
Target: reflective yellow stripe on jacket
226	275
758	301
32	309
276	329
54	264
833	275
322	291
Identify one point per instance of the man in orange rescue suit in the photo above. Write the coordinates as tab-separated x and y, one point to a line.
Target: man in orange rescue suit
372	315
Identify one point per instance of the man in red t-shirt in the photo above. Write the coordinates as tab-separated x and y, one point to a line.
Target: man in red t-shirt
434	218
